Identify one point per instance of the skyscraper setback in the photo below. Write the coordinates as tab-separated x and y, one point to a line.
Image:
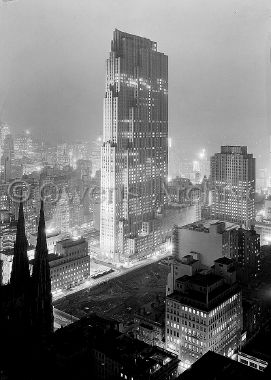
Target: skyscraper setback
135	147
233	179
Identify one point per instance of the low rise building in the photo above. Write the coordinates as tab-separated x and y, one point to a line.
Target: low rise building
149	324
70	265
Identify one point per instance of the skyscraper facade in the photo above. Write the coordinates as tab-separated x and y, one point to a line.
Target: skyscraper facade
134	155
233	180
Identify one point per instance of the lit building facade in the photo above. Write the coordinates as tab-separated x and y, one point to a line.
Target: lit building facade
204	314
63	157
7	235
61	216
134	155
233	180
70	265
23	145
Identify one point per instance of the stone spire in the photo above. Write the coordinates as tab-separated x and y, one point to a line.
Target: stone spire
43	320
20	311
20	274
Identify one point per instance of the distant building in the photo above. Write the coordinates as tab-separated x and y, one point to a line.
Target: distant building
70	265
7	159
204	313
84	169
7	235
262	180
23	145
263	228
61	215
267	208
263	225
62	155
233	181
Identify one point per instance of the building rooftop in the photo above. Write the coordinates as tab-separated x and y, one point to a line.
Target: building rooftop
154	312
67	243
204	225
224	261
51	257
201	279
198	299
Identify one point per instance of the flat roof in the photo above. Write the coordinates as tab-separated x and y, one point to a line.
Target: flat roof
224	260
71	243
204	225
198	299
201	279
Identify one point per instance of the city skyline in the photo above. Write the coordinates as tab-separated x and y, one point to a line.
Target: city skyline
135	226
44	86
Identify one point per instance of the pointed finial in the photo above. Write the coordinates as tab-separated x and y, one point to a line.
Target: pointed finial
41	238
20	234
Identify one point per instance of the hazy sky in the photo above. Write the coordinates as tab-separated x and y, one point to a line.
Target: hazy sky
52	66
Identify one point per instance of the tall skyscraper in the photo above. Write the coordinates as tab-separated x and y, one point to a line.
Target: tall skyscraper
23	145
135	147
233	180
7	159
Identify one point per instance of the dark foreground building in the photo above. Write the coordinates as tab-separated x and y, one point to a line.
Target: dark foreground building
213	366
94	348
26	310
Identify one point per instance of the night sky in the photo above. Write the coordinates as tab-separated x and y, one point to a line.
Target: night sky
52	67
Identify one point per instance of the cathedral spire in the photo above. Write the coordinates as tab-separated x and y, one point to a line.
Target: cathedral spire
20	274
41	282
